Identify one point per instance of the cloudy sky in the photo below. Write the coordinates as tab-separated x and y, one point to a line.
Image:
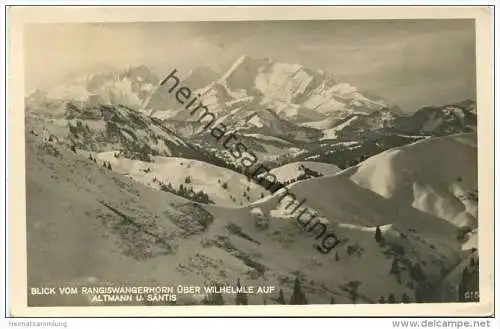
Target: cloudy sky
410	62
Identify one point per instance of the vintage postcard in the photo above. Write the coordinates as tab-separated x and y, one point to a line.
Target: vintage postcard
265	161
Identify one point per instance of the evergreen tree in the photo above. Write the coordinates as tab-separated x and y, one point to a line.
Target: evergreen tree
214	299
464	284
332	300
419	293
353	290
416	273
395	267
461	292
381	300
405	299
109	166
298	297
90	157
336	256
392	299
281	298
465	274
241	298
472	262
218	299
73	148
378	234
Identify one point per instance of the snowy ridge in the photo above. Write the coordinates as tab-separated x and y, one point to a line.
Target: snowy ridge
233	67
404	175
332	132
223	186
111	127
292	171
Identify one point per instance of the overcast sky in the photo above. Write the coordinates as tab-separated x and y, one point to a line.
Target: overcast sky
413	63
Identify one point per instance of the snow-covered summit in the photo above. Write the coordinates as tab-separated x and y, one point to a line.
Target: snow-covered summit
295	92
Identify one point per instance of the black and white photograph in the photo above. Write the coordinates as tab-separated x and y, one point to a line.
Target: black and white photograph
264	162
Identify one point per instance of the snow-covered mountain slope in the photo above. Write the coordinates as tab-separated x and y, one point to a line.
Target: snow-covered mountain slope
353	211
266	123
324	124
66	194
106	228
354	126
100	128
302	169
223	186
244	118
296	113
436	176
263	132
350	152
333	133
129	87
268	148
335	196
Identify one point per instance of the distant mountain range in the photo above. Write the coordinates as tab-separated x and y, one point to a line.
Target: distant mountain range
296	93
130	87
285	112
